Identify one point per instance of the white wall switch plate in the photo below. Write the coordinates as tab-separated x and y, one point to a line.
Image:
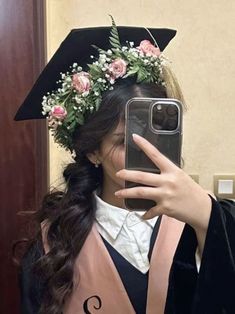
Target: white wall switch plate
224	185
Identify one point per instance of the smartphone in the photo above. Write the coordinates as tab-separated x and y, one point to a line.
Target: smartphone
158	120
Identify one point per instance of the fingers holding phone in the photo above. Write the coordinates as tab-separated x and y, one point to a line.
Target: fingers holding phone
173	192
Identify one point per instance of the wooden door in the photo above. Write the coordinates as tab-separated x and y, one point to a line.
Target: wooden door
23	145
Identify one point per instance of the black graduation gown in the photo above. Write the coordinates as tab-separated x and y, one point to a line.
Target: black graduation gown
212	291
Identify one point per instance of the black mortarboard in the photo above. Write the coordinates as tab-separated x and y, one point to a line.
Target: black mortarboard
77	48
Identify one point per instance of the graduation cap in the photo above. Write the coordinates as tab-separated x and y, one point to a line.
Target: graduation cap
77	47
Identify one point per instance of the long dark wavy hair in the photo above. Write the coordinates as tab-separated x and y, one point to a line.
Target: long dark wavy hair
70	214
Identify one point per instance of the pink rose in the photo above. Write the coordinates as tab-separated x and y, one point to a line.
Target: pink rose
58	112
81	82
117	68
149	49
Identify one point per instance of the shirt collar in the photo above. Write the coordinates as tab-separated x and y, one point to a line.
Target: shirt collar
112	218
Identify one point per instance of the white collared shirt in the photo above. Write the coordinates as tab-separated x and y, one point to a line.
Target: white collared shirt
126	231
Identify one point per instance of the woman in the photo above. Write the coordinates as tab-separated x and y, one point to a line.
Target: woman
99	256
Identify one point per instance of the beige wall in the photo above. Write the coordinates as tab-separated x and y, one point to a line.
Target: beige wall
203	57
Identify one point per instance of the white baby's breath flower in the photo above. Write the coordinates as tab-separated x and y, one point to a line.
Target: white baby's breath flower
47	108
65	86
85	94
75	64
96	93
131	43
101	62
78	99
134	54
109	52
132	50
102	57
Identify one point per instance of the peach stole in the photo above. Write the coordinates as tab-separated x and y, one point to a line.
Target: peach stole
97	285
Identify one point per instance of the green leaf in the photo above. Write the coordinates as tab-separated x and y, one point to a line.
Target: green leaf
73	125
114	36
97	103
79	120
101	51
117	52
142	75
95	71
70	114
132	71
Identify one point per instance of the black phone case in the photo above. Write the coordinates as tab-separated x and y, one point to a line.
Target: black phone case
138	116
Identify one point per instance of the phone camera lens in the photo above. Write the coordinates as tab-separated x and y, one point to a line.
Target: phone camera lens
158	120
172	110
172	124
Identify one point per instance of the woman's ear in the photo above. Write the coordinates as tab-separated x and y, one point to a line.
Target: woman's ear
94	159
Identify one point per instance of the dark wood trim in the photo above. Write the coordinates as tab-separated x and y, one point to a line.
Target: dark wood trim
40	46
39	12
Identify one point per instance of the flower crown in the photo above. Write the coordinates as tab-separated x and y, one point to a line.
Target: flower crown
81	92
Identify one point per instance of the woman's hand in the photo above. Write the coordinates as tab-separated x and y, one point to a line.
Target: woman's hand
175	193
